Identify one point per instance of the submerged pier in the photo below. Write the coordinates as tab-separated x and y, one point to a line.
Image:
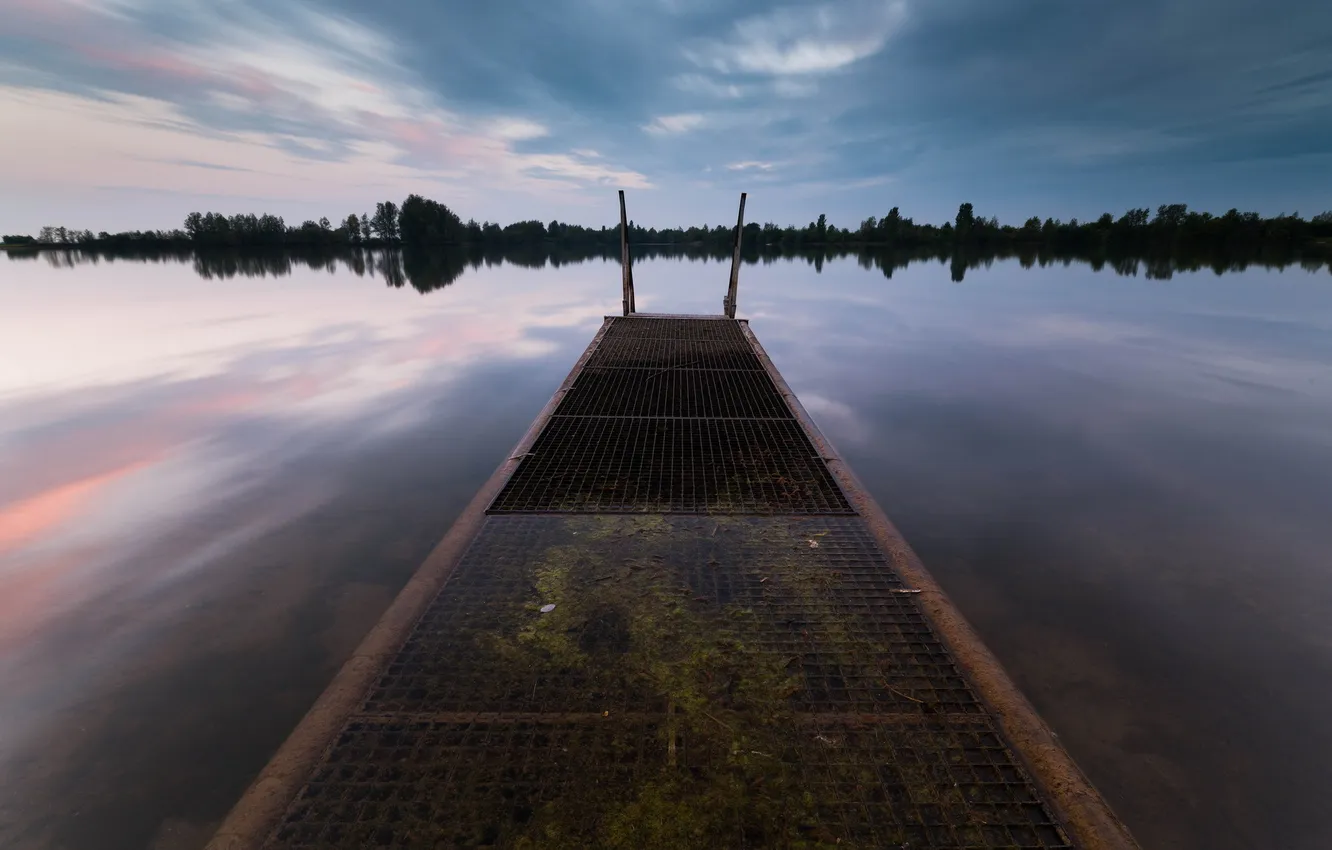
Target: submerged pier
672	619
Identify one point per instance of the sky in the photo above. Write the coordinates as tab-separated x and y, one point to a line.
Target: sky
127	114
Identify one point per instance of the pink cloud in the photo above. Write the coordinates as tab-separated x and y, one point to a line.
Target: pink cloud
251	82
45	11
410	134
225	402
158	63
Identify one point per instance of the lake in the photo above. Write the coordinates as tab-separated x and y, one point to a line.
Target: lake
211	487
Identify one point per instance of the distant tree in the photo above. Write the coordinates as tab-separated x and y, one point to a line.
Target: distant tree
1133	218
47	235
325	225
365	227
821	228
310	231
528	233
352	226
966	219
1170	215
385	221
272	228
426	222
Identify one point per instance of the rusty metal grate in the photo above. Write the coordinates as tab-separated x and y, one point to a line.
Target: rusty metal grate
691	330
608	465
657	353
720	674
468	784
504	783
694	393
835	615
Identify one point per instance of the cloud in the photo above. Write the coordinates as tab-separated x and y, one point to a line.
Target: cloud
803	40
308	106
751	165
1089	144
787	87
816	188
122	140
517	129
704	85
671	125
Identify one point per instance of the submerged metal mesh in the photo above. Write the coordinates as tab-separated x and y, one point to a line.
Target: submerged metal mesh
752	686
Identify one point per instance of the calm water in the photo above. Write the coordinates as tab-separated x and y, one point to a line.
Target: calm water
210	489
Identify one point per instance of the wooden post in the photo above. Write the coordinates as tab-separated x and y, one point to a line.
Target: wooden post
728	304
626	261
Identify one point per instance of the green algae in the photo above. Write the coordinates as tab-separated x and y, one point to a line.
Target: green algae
731	763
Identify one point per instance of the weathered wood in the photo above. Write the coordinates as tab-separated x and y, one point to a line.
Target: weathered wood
626	260
729	302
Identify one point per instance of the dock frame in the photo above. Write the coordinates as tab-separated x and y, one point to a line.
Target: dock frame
673	617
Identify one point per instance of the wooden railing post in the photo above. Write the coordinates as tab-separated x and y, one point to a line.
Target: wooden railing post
728	303
626	261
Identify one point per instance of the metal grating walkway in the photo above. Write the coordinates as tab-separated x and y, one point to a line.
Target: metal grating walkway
701	682
670	631
674	393
673	415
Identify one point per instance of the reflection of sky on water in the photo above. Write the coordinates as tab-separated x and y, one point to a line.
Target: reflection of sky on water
135	399
209	489
1124	484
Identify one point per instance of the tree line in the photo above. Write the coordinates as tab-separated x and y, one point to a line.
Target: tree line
423	223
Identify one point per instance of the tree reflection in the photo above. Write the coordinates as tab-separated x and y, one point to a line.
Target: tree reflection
430	269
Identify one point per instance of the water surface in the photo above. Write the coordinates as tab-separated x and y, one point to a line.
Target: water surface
211	488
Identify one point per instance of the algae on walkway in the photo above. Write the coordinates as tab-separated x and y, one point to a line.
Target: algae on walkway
699	682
